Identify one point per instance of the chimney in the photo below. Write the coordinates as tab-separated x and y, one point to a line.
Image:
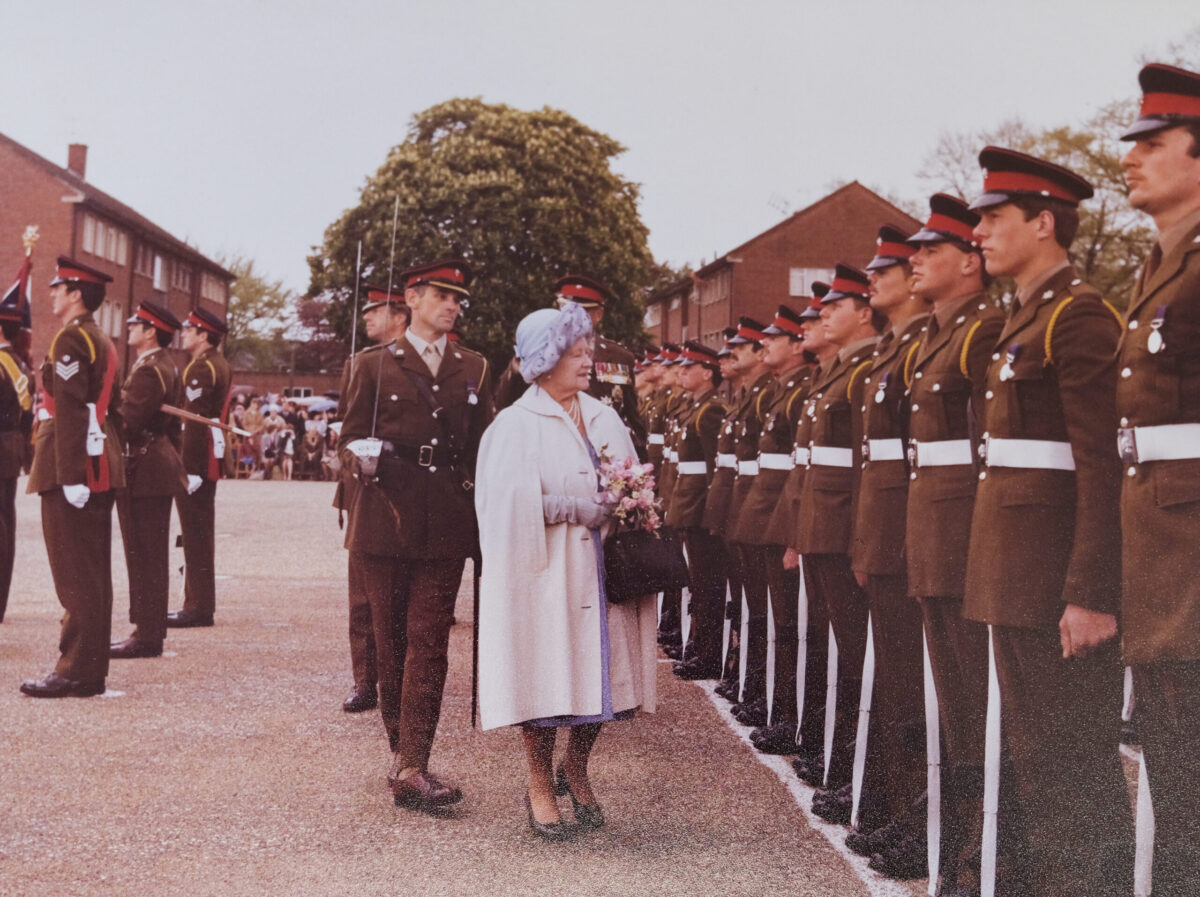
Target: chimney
77	159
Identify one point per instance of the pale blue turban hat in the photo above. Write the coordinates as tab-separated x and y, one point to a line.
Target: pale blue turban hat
545	336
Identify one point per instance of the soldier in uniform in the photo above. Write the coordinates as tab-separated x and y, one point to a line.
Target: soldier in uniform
743	370
825	520
206	383
153	476
386	317
1043	567
700	375
783	354
675	409
16	422
895	769
410	435
76	467
946	395
649	378
810	764
1158	399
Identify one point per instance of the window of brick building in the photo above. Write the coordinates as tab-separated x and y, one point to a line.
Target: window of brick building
800	280
181	276
160	279
212	288
104	240
143	260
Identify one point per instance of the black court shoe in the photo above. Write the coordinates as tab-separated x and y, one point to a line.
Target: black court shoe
550	831
588	816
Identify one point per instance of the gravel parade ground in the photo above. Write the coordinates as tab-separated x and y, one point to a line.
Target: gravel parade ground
227	766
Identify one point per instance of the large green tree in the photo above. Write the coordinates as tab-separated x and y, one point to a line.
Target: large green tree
260	311
524	196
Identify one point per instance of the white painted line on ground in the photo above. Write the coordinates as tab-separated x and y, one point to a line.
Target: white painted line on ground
802	793
170	654
110	693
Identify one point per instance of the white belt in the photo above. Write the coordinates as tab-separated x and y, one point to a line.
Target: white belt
800	456
747	468
729	460
1034	454
885	450
689	468
774	461
672	455
941	453
830	456
656	438
1166	442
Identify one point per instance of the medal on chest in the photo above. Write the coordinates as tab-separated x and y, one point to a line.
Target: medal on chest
1006	372
881	392
1155	342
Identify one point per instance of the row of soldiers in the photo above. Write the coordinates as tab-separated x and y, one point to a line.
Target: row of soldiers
908	486
98	443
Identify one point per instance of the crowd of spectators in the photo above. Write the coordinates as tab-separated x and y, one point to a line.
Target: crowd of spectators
287	439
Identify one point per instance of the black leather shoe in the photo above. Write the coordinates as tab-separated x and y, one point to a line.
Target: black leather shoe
422	791
182	619
55	686
673	651
881	840
811	769
550	831
905	860
692	669
589	816
777	739
834	805
132	648
364	698
751	713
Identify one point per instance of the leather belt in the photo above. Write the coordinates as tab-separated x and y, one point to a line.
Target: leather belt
830	456
800	455
940	453
691	468
422	455
747	468
1165	442
729	460
883	449
1030	454
775	461
656	438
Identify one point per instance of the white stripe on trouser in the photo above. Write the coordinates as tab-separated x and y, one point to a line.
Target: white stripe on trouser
864	723
991	776
801	649
933	775
1143	856
743	634
1128	702
830	701
770	656
685	605
726	626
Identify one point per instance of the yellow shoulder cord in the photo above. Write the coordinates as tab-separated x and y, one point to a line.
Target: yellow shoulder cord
758	404
1116	314
854	374
962	358
19	381
212	370
908	360
83	333
161	381
787	409
1050	328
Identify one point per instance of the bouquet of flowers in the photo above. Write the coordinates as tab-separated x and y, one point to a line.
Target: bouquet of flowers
629	487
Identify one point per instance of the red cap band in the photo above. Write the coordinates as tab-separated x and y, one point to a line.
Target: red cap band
1170	104
579	291
448	275
842	285
749	333
700	357
149	317
1015	182
894	250
793	327
65	273
383	296
193	320
949	225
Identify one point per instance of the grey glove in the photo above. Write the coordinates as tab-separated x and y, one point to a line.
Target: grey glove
571	509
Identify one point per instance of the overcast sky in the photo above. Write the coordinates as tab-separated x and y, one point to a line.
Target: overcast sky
248	127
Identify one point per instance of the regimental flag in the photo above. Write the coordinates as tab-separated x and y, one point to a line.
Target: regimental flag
15	304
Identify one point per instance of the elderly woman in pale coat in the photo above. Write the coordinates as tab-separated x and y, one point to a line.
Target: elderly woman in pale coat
552	651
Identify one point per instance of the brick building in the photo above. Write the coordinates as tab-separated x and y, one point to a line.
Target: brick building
78	220
775	267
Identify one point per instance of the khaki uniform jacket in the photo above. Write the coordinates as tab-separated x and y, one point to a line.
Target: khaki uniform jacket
1160	500
881	509
206	383
153	465
826	516
720	489
656	416
746	429
417	510
613	384
697	444
1041	539
946	384
778	431
16	415
677	409
782	528
80	364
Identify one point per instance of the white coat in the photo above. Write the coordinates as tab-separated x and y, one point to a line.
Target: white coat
539	607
